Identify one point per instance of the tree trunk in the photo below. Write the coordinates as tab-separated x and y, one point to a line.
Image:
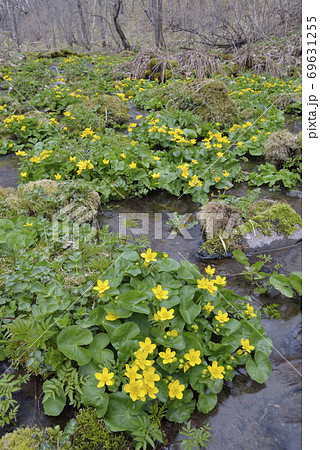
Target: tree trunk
115	16
83	26
157	14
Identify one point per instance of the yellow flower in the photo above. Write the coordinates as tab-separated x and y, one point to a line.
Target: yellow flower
156	175
250	312
28	224
35	159
156	158
57	176
176	389
147	346
101	287
136	390
246	345
220	154
222	317
217	179
240	144
220	281
131	372
210	270
164	314
133	143
193	357
151	391
167	356
123	155
111	316
208	307
139	117
21	153
160	293
149	255
23	128
141	359
67	113
225	173
105	161
216	371
195	161
23	174
73	158
133	165
105	378
149	376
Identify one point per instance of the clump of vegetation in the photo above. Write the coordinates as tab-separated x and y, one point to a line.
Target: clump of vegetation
225	230
26	438
46	197
92	433
280	146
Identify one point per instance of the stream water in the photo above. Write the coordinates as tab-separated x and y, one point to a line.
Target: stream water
248	415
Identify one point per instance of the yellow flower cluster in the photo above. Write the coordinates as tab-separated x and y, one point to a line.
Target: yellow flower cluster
142	375
84	164
13	118
195	181
184	168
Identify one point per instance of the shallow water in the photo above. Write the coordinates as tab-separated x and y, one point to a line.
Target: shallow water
248	415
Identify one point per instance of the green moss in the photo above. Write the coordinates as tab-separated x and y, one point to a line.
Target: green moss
33	438
263	215
208	98
91	433
279	217
129	93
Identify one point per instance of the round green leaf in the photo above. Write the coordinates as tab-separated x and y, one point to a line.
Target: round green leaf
70	340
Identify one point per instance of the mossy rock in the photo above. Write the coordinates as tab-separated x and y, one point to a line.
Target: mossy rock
92	433
268	225
129	94
33	439
74	199
209	99
113	108
280	146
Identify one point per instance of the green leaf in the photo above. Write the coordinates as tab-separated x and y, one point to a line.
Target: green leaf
259	369
94	396
132	301
282	284
167	265
295	279
240	257
122	413
179	412
188	309
99	352
69	341
55	399
124	333
206	402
